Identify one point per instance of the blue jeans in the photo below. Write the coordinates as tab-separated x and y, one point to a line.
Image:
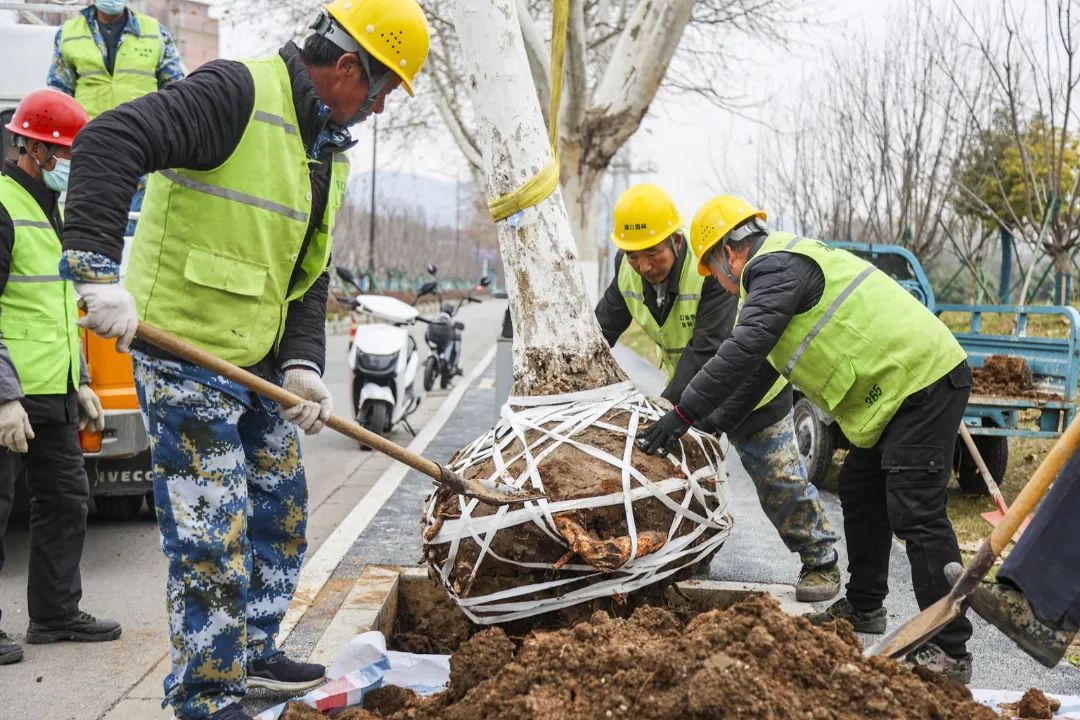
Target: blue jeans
790	501
231	500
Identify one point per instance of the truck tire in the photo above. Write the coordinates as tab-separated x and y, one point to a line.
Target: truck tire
995	453
816	441
118	507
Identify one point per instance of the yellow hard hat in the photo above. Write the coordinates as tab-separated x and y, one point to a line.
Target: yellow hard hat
644	216
394	32
714	220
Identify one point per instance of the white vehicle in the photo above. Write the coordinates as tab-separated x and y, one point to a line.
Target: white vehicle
384	361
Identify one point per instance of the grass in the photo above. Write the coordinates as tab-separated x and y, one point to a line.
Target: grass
1053	326
642	345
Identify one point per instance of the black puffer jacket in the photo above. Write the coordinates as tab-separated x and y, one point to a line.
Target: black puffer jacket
713	323
779	286
195	123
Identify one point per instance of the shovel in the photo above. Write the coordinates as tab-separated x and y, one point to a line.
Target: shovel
439	473
994	517
930	621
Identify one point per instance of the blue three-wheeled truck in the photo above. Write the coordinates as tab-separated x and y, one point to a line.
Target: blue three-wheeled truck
1044	412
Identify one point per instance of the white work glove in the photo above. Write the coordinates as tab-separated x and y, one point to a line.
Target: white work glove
110	312
15	427
90	411
312	414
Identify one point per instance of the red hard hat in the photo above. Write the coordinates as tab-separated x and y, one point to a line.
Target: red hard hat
49	116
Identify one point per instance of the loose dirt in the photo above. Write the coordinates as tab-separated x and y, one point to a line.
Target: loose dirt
747	661
1005	376
1033	706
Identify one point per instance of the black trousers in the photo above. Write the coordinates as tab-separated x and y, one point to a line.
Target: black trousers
59	492
1045	564
899	487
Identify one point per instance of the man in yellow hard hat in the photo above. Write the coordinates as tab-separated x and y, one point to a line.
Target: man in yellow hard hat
230	254
889	372
688	316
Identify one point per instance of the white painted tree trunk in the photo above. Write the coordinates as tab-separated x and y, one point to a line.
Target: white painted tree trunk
557	342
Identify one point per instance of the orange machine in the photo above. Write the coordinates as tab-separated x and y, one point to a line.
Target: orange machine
117	459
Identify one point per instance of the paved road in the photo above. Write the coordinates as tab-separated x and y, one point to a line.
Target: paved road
124	570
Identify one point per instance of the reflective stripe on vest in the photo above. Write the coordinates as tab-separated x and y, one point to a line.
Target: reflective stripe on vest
864	347
216	251
37	308
678	329
134	68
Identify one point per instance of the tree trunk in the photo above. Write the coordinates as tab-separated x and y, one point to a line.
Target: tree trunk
581	184
557	343
613	520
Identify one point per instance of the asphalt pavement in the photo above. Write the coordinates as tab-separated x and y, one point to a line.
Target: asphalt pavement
124	570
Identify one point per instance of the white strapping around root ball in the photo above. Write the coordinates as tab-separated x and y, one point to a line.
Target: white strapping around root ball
568	415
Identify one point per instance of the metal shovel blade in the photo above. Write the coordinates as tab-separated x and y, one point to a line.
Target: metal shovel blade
479	491
919	629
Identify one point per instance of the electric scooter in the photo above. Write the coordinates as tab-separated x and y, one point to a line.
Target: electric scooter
384	359
443	338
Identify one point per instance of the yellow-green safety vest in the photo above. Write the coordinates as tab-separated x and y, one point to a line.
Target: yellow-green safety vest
864	347
37	308
678	330
134	69
215	250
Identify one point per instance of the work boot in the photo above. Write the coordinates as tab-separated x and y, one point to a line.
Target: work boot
864	621
283	674
80	627
932	657
10	651
816	584
1006	608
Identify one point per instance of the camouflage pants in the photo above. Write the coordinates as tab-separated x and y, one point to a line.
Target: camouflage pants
231	500
790	501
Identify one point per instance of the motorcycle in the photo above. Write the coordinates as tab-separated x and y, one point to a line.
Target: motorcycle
384	359
443	338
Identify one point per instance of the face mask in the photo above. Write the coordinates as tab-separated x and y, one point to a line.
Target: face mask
111	7
57	178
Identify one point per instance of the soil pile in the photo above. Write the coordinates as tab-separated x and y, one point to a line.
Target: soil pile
748	661
1033	706
597	537
1004	376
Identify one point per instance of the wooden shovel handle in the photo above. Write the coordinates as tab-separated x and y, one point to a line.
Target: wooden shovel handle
1036	487
991	485
281	396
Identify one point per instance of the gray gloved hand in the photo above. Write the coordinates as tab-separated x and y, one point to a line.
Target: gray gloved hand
110	312
15	427
661	402
312	414
91	414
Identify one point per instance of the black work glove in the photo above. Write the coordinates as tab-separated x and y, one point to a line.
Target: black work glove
707	426
662	435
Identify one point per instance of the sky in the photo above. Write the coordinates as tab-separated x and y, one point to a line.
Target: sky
694	154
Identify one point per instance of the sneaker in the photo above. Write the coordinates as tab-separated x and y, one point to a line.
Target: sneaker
1006	608
10	651
864	621
80	627
933	658
233	711
816	584
283	674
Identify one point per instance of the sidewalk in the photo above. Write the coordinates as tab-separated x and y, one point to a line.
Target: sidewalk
753	554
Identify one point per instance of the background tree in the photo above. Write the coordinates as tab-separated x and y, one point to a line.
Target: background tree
1026	160
620	53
